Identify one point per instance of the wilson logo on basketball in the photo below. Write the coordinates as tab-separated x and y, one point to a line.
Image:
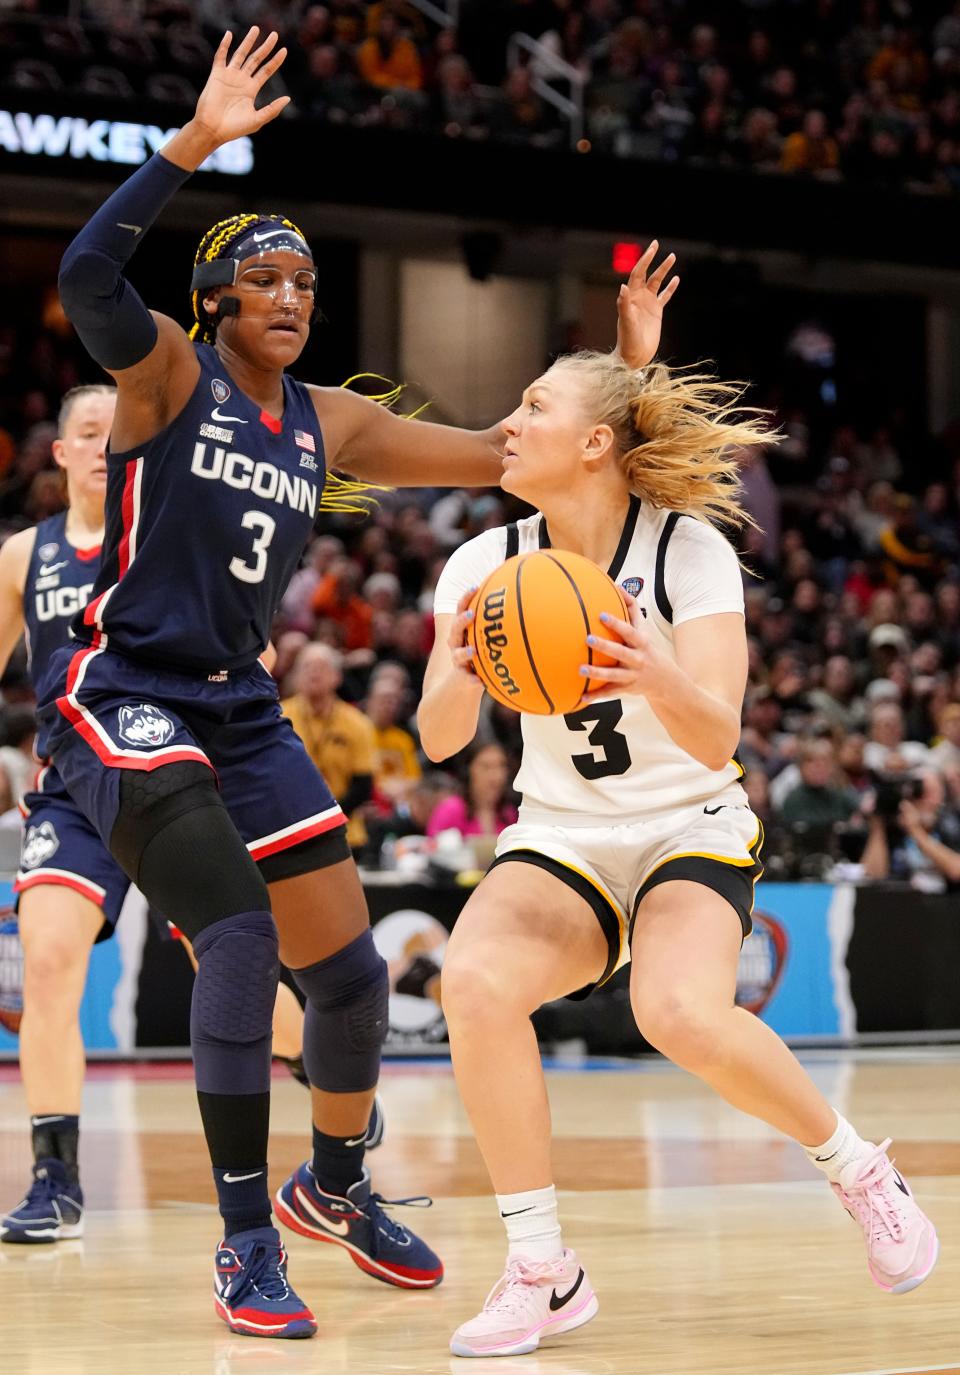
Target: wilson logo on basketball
495	640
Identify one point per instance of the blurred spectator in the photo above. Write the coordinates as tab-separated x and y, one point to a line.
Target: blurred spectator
818	802
836	699
334	93
906	549
19	731
938	522
397	766
406	15
297	605
521	116
886	751
338	738
347	17
758	146
914	836
408	646
288	646
386	59
485	808
411	815
945	754
811	149
458	106
336	597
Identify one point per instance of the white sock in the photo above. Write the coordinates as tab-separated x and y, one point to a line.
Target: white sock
838	1150
533	1228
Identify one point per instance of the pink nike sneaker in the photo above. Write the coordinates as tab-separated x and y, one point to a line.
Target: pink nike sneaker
902	1244
533	1299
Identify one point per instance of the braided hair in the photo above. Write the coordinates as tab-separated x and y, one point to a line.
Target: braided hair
216	243
342	495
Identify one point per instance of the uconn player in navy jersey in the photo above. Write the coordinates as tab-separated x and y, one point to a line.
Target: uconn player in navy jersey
70	889
166	728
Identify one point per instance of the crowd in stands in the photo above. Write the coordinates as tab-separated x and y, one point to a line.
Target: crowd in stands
863	90
851	735
851	739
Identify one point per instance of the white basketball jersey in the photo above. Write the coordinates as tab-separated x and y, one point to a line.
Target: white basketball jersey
613	758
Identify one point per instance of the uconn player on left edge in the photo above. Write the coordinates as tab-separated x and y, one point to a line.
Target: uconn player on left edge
70	889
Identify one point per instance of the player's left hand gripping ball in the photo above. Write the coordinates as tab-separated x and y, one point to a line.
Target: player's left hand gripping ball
639	666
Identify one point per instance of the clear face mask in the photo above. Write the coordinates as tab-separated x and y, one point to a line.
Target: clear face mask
299	287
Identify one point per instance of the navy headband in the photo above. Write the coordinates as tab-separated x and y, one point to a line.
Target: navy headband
265	236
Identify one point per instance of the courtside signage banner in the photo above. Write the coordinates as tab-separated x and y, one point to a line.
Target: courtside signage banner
793	971
104	986
825	963
117	141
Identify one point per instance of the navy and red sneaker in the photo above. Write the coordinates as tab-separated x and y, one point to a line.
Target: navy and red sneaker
251	1293
356	1221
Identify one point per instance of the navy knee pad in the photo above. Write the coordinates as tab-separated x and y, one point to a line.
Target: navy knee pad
231	1015
345	1019
174	838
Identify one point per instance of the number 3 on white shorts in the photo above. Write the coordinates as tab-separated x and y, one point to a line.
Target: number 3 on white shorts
267	526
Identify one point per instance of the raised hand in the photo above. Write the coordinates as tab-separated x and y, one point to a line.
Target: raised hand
640	308
227	106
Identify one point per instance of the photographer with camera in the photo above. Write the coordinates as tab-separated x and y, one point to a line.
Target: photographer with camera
912	833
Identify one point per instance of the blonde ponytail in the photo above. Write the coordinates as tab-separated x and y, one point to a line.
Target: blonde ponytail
679	434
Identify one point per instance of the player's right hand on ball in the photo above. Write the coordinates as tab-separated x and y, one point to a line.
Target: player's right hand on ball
227	105
461	652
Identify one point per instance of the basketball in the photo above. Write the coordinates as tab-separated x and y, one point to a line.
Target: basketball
532	617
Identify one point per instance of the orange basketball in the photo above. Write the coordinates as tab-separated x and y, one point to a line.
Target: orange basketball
531	620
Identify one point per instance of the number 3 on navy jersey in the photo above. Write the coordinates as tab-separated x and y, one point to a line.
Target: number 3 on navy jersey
615	757
267	527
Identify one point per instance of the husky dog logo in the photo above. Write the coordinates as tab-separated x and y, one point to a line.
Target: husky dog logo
632	585
39	844
145	725
220	390
47	551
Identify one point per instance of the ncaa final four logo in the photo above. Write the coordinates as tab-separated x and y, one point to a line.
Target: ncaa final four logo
145	725
220	390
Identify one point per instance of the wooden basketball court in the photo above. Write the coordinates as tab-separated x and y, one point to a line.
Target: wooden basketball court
713	1248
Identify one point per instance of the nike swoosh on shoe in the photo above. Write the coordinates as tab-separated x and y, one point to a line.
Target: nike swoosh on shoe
557	1302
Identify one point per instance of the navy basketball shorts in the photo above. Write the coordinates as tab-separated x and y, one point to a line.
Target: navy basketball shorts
101	713
60	847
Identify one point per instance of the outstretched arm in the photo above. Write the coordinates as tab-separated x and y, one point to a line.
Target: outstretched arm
149	354
371	443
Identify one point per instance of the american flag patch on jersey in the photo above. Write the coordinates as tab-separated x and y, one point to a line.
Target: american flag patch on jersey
305	440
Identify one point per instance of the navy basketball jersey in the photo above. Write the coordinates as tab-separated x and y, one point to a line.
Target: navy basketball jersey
59	582
205	525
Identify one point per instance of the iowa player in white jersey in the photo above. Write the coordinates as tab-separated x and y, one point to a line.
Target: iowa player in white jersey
634	837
